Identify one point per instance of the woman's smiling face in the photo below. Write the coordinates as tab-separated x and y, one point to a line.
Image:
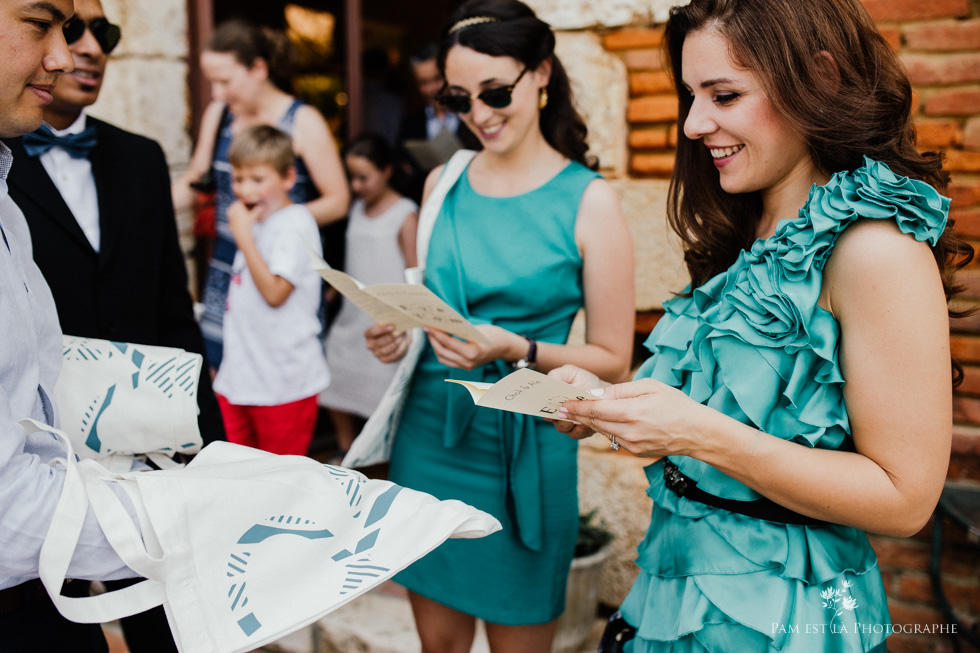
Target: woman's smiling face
471	72
232	82
753	147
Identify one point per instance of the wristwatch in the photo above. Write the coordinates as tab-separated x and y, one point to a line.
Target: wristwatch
531	359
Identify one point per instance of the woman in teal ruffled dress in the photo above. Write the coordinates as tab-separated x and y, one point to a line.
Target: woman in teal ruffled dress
799	390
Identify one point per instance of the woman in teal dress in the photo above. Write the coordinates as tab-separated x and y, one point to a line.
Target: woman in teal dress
799	390
527	236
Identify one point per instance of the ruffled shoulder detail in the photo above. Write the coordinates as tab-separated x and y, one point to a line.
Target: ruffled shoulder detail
752	341
872	191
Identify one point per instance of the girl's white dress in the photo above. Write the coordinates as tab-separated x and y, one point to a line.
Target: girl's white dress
373	257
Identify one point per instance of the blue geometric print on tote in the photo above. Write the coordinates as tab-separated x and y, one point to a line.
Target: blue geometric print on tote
357	563
92	441
166	375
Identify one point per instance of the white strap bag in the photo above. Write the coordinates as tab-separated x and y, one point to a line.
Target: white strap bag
373	444
242	547
117	399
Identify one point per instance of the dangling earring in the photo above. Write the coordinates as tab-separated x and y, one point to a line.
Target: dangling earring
542	97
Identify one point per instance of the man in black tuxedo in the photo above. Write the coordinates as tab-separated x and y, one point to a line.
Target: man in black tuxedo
428	121
97	201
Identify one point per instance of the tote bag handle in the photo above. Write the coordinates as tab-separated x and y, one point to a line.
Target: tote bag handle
433	203
65	530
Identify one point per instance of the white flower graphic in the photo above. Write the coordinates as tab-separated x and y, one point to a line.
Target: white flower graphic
838	600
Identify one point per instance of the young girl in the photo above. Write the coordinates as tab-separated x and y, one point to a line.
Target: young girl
380	245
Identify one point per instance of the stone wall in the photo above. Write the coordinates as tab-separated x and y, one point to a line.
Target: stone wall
145	88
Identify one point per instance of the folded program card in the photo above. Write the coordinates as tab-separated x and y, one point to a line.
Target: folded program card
525	391
404	305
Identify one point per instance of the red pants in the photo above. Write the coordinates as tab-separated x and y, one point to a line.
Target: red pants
282	429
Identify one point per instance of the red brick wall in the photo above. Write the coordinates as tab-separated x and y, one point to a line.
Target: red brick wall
939	43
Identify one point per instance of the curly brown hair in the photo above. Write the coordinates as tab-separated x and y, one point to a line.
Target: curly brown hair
860	105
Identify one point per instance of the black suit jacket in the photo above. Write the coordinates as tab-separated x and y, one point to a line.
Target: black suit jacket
135	288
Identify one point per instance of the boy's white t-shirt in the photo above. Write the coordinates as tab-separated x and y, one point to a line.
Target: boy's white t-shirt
273	356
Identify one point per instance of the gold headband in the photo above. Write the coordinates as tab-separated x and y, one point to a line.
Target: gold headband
469	22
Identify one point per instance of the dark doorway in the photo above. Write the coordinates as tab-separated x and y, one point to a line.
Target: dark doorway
388	31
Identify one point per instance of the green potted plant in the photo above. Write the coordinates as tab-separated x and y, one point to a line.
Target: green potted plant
592	549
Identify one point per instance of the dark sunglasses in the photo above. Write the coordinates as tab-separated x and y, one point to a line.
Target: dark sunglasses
495	98
105	33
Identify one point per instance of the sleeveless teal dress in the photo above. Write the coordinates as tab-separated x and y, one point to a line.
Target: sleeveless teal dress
513	262
752	343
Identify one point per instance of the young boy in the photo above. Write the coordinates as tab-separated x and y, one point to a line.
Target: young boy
273	366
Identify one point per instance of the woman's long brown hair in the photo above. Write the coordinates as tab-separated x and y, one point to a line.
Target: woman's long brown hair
856	103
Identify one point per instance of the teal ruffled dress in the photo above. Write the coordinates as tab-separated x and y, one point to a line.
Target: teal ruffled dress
753	344
513	262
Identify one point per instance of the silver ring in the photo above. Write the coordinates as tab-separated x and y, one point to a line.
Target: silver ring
612	443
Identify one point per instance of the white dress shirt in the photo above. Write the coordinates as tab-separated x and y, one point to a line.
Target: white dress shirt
434	124
30	359
74	180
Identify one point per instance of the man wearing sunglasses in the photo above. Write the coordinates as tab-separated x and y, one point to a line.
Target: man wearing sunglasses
97	201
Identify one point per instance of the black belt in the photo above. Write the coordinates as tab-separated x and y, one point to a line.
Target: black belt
15	598
762	508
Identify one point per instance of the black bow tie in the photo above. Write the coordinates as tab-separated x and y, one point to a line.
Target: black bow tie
43	139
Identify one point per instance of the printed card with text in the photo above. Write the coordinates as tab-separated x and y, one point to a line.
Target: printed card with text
405	305
525	391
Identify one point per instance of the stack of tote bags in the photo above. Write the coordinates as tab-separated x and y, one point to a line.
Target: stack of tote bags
241	547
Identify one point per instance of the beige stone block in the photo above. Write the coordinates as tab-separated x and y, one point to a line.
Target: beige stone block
585	14
149	97
614	483
150	28
145	89
601	88
660	270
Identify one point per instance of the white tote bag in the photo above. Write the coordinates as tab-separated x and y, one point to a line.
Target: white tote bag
242	547
373	444
116	399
